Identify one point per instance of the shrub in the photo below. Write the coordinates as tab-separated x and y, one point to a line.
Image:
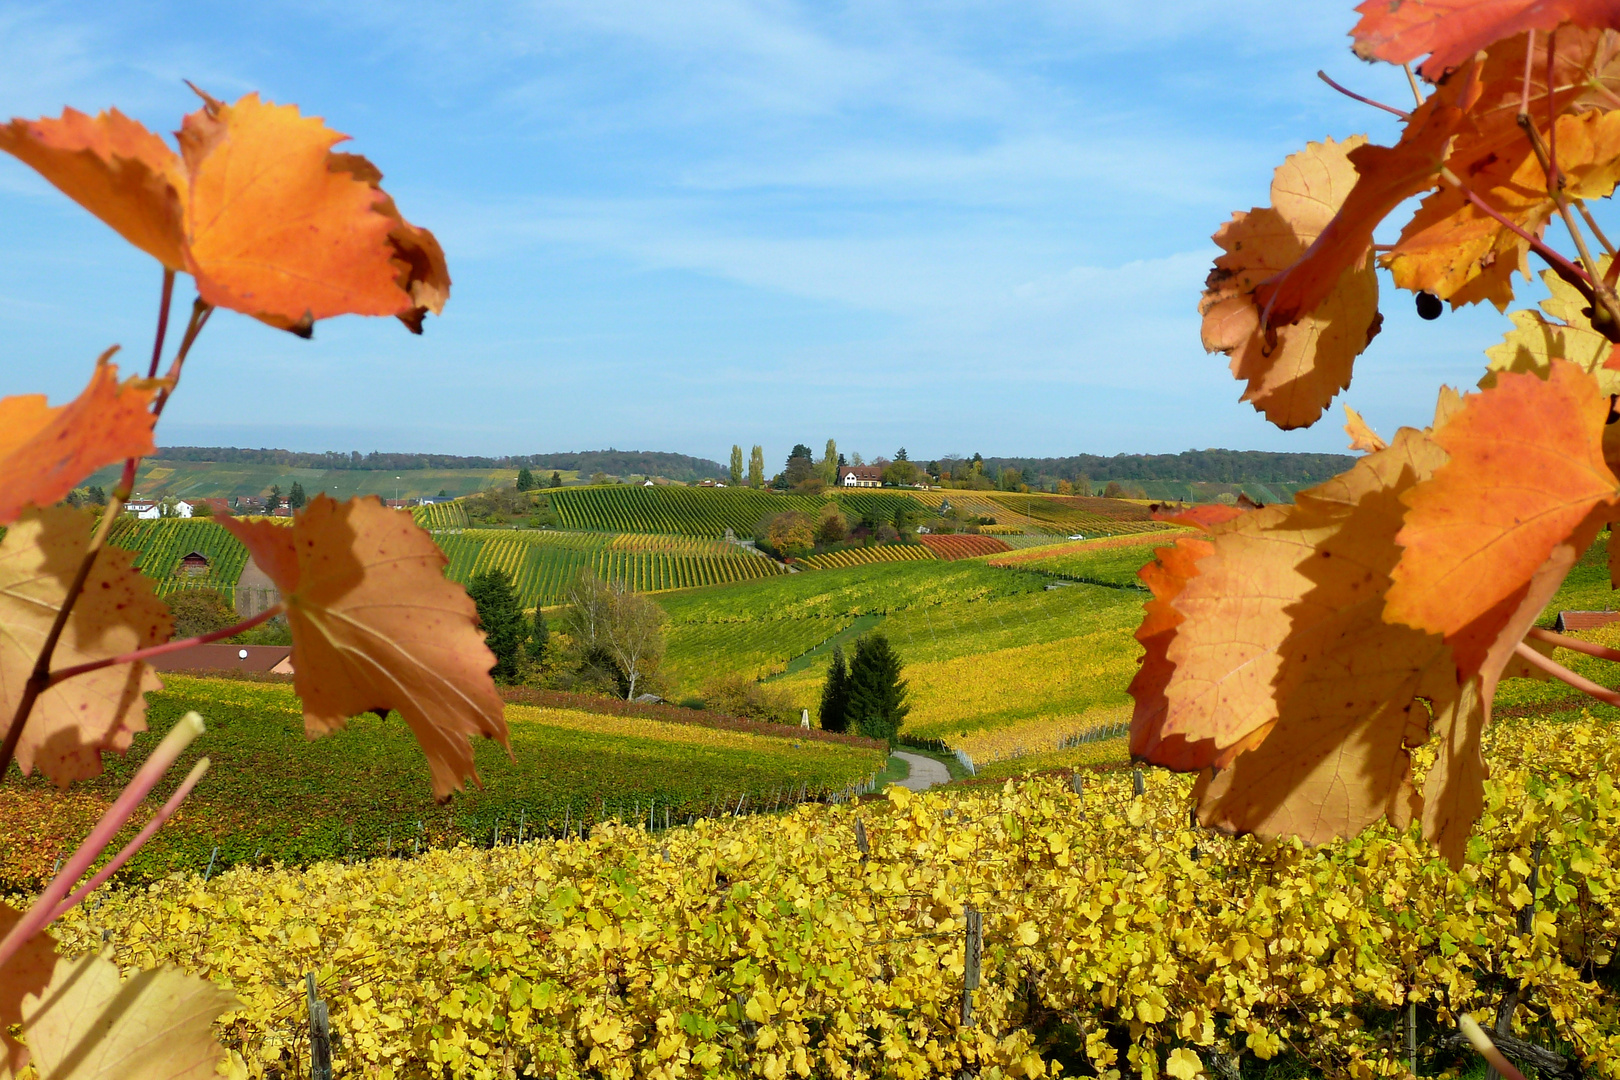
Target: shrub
199	611
737	695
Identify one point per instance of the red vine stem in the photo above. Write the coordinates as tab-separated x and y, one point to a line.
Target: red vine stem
163	322
1590	648
136	844
152	770
1563	674
1564	268
167	647
1364	100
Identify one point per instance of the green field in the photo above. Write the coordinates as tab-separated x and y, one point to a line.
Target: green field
161	544
272	794
860	556
1113	565
680	510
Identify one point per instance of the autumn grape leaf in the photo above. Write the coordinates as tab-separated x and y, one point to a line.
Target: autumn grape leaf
76	721
256	206
28	972
1451	31
89	1024
1564	332
1459	253
1525	474
113	167
375	626
1168	573
1292	371
1362	437
1202	516
45	451
1385	177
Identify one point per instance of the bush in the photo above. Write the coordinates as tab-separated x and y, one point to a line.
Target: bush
199	611
738	695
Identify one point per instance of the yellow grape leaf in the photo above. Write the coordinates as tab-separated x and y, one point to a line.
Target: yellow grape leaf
74	722
1563	332
1292	371
1526	473
45	451
375	626
1183	1064
1362	437
28	972
88	1024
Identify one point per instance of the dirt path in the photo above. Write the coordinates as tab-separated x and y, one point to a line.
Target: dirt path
925	772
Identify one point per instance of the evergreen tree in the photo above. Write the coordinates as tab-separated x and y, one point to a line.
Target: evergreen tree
539	636
835	694
525	480
97	495
296	498
556	479
877	694
273	500
736	466
501	614
756	468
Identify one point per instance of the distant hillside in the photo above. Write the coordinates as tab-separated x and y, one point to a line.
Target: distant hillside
1191	466
619	463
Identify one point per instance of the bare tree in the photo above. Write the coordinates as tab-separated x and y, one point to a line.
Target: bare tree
634	634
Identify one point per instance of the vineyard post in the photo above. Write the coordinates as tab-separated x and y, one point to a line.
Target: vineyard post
320	1032
522	822
1079	786
861	844
972	949
208	873
1138	783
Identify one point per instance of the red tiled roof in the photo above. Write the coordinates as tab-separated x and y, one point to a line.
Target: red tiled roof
1584	620
260	658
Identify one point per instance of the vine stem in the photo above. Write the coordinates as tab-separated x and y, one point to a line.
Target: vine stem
1563	674
1565	269
39	680
1364	100
266	615
1590	648
39	915
1487	1049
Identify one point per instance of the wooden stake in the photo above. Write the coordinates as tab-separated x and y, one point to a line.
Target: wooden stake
1138	782
972	950
320	1033
860	839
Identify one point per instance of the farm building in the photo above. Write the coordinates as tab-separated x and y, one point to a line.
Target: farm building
1584	620
194	564
147	510
860	476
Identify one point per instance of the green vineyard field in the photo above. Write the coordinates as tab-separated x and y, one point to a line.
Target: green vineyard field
450	515
862	556
680	510
160	545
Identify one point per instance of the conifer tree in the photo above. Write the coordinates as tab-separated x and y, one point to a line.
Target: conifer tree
736	465
756	468
501	614
835	694
296	498
525	480
556	479
877	694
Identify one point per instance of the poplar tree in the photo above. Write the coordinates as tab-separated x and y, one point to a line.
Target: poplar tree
736	465
828	465
756	468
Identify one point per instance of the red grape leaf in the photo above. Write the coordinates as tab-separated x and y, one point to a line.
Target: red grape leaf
1526	473
28	972
423	272
1386	176
74	722
1292	371
376	626
1451	31
45	451
113	167
271	230
1362	437
90	1024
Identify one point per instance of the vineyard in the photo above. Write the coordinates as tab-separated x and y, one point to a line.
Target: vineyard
543	564
276	796
1104	562
864	556
697	650
681	510
161	544
878	506
446	515
1114	938
963	546
1069	514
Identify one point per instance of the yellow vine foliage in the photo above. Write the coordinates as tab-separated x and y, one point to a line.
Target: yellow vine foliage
769	947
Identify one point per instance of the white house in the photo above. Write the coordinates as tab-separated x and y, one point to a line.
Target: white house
860	476
147	510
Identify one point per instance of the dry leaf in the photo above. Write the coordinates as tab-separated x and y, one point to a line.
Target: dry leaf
1451	31
423	272
28	972
113	167
1526	473
376	626
88	1024
1362	437
74	722
45	451
1292	371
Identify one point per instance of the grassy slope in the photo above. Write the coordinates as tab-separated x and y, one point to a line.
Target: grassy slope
272	789
205	479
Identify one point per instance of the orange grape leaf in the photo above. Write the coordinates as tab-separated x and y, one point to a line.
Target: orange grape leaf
28	972
1459	253
375	626
1201	516
1385	177
74	722
90	1024
1362	437
423	272
113	167
1526	472
271	230
1451	31
1168	573
1292	371
45	451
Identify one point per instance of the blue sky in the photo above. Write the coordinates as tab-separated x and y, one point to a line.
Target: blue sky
951	226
